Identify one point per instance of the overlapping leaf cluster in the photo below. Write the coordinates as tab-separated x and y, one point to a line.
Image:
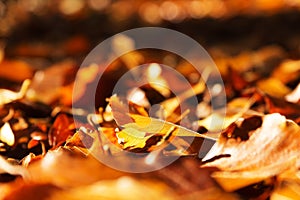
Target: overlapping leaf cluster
255	145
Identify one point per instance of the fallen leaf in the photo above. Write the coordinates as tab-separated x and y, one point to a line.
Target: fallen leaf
294	96
70	169
217	122
137	130
278	105
7	96
273	87
288	71
287	190
270	150
6	134
62	128
47	84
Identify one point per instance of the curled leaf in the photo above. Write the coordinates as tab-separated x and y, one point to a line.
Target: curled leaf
62	128
143	132
7	135
7	96
273	87
294	96
217	122
138	133
270	150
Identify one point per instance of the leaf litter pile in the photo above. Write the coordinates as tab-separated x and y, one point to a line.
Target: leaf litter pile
49	149
251	152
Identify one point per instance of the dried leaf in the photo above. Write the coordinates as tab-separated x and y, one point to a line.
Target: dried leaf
133	139
273	87
47	84
119	111
286	191
62	128
79	140
288	71
138	133
6	134
70	169
288	185
32	143
7	167
170	105
270	150
236	80
7	96
294	96
278	105
137	130
84	76
216	122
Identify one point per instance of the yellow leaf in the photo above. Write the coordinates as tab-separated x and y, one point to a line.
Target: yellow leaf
136	129
287	191
135	135
152	125
273	87
133	138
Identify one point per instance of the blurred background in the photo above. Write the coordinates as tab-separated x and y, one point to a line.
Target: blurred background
37	34
56	29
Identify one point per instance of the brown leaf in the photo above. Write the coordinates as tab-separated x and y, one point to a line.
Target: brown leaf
237	81
277	105
61	129
79	140
47	84
32	143
270	150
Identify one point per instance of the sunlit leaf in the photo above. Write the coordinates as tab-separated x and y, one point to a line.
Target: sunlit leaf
136	134
136	129
7	96
294	96
279	105
123	188
7	167
70	169
7	135
170	105
288	71
270	150
133	138
62	128
217	122
47	85
273	87
286	191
